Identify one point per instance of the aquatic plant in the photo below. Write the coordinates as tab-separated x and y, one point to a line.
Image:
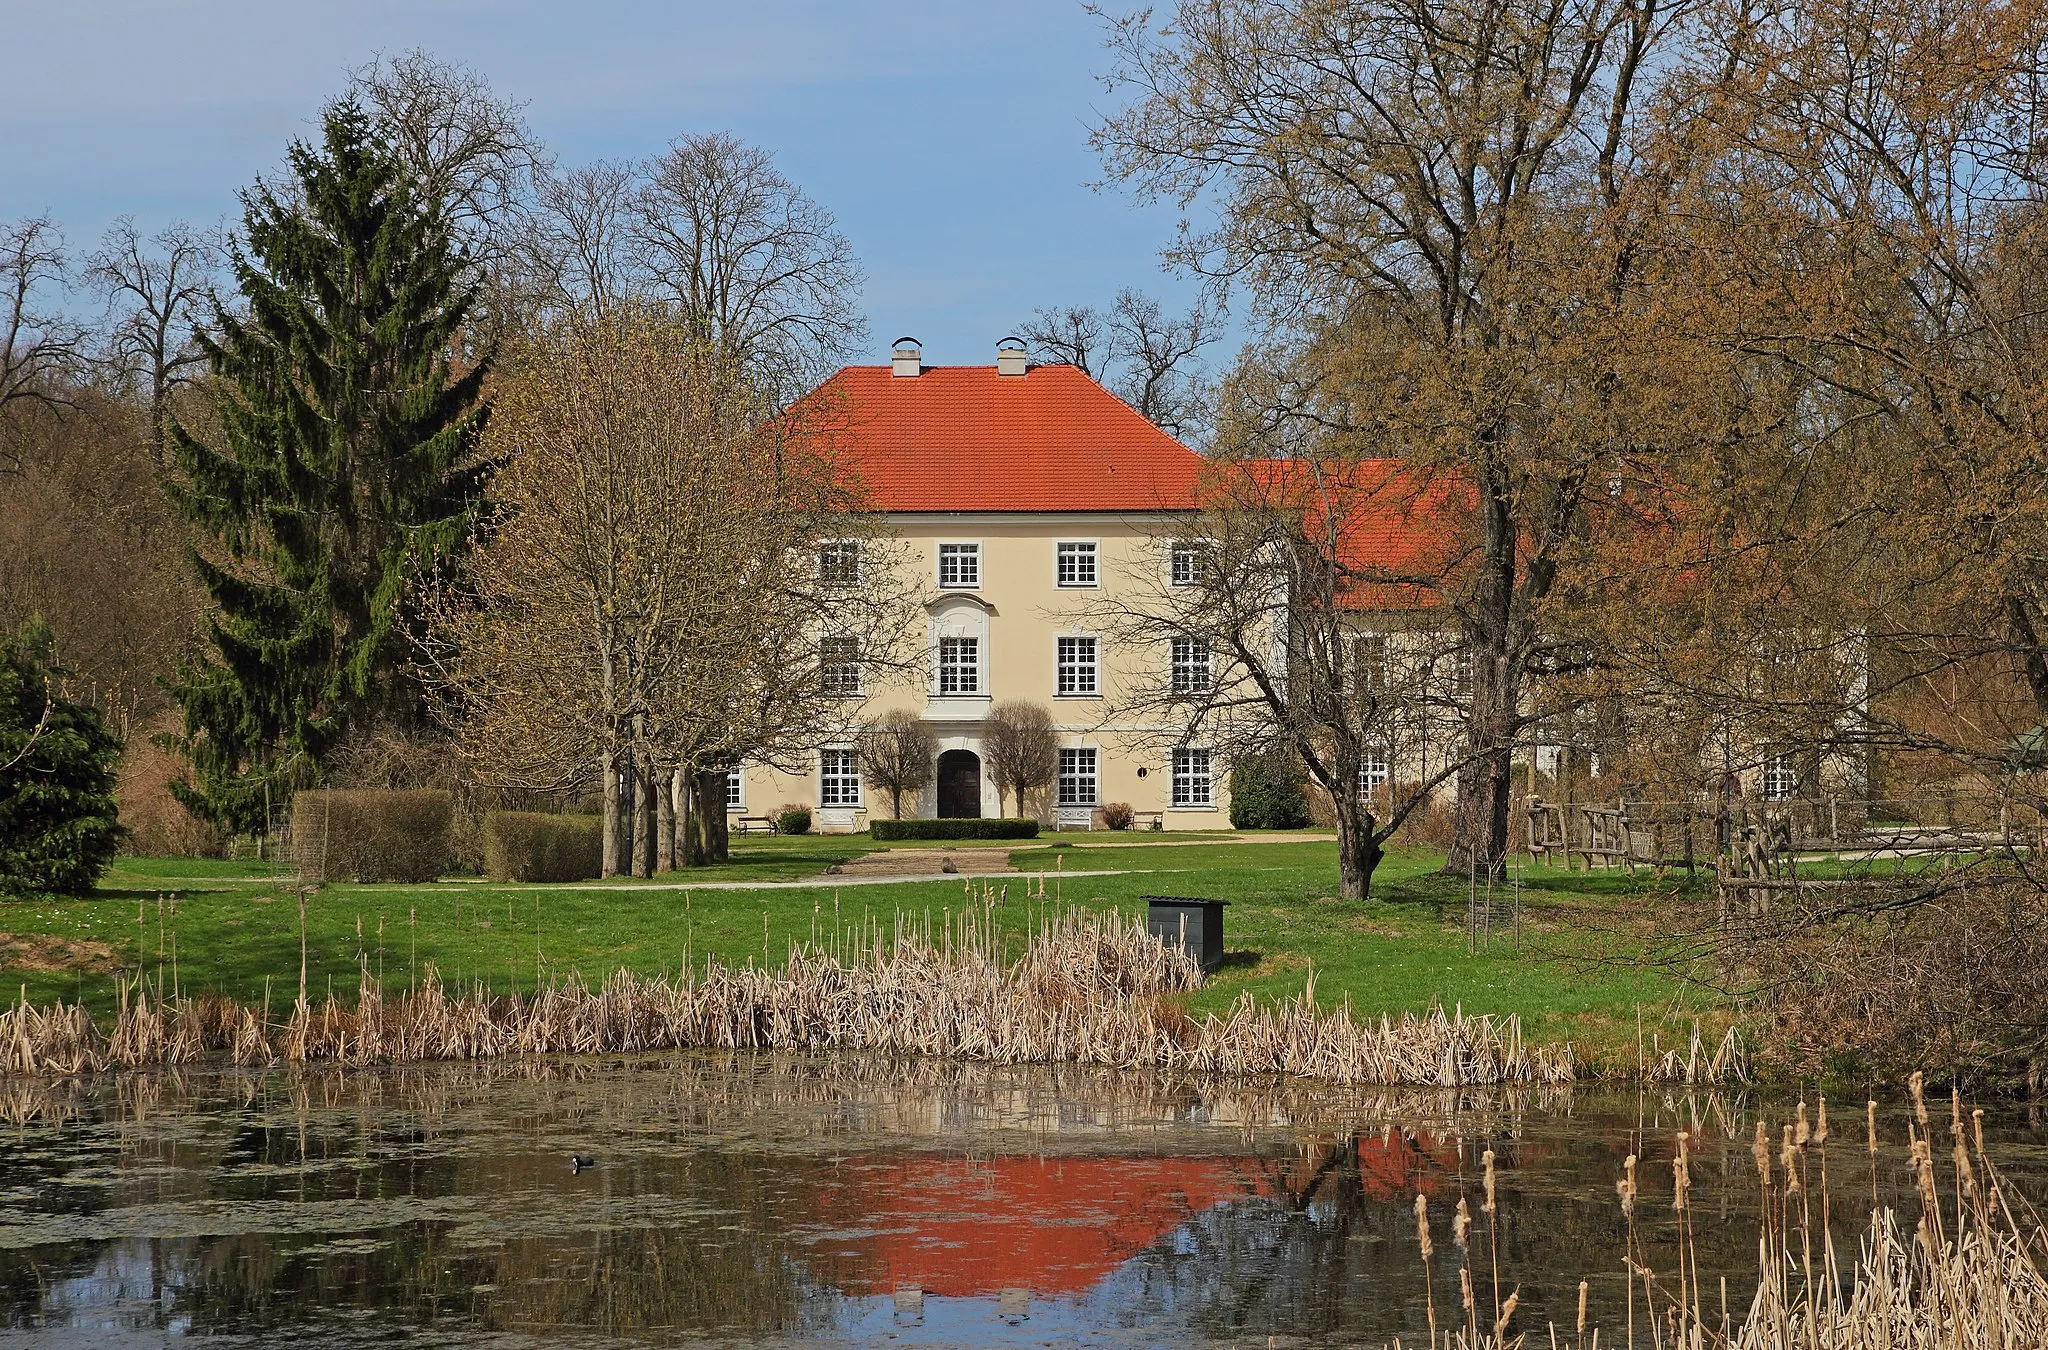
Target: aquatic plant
1966	1275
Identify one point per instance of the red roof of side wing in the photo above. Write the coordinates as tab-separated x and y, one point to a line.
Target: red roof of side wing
964	438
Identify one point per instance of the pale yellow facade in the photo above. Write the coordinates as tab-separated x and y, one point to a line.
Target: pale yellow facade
1013	608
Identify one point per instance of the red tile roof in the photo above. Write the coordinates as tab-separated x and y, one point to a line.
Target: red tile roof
963	438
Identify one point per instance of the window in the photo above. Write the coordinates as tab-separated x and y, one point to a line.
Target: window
1461	673
1781	778
838	778
1193	785
1077	777
839	667
1369	656
1076	668
1190	559
960	566
959	665
1077	564
1191	674
1375	769
839	563
735	790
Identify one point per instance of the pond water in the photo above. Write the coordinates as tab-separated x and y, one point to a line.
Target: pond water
777	1200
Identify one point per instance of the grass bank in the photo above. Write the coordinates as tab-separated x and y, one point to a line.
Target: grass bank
230	928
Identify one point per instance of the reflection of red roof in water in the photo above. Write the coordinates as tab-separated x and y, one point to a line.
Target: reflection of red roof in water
1056	1226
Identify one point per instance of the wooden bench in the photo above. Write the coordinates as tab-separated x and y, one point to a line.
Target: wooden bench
753	825
1148	820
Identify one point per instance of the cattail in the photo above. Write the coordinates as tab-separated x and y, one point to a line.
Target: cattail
1626	1187
1761	1151
1422	1225
1870	1114
1977	1128
1584	1288
1820	1129
1681	1174
1917	1084
1507	1310
1487	1158
1461	1225
1465	1287
1801	1133
1788	1156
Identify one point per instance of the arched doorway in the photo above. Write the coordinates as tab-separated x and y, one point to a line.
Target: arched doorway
959	785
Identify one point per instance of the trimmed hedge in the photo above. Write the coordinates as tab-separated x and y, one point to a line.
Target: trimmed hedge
953	829
371	834
535	846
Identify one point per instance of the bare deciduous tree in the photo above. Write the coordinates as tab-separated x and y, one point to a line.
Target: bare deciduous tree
1022	749
756	270
1139	352
648	604
461	143
899	754
1437	210
156	290
1274	628
40	351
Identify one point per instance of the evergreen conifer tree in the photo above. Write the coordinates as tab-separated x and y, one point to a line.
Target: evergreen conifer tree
342	470
58	829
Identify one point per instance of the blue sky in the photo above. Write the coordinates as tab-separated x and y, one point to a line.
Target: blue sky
950	140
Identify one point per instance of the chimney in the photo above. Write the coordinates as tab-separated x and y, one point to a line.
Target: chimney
906	357
1011	358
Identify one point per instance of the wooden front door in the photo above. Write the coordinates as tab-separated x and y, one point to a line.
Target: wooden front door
960	785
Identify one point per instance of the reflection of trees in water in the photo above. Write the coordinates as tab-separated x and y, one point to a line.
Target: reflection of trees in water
428	1182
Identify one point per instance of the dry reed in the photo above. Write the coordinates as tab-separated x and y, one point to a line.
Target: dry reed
1965	1275
1086	988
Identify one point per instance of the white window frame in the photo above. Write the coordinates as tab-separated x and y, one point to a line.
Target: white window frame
1191	549
1089	673
1080	778
1375	769
1187	778
827	683
1372	661
833	780
735	790
971	669
1077	549
1183	667
963	548
850	547
1780	779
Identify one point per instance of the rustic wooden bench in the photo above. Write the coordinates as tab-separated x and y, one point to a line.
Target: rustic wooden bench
753	825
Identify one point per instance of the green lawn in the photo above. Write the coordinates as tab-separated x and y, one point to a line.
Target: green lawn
232	929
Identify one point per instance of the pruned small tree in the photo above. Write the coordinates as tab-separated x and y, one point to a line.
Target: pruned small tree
899	755
1022	749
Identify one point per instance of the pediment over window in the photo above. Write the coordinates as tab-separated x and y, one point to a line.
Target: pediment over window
939	604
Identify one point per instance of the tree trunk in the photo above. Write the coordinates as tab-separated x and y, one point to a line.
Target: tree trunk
664	820
1358	852
643	817
711	812
1480	840
689	820
608	791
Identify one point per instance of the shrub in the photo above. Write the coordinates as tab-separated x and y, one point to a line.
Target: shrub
58	829
535	846
1117	815
1266	791
953	829
371	834
793	819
